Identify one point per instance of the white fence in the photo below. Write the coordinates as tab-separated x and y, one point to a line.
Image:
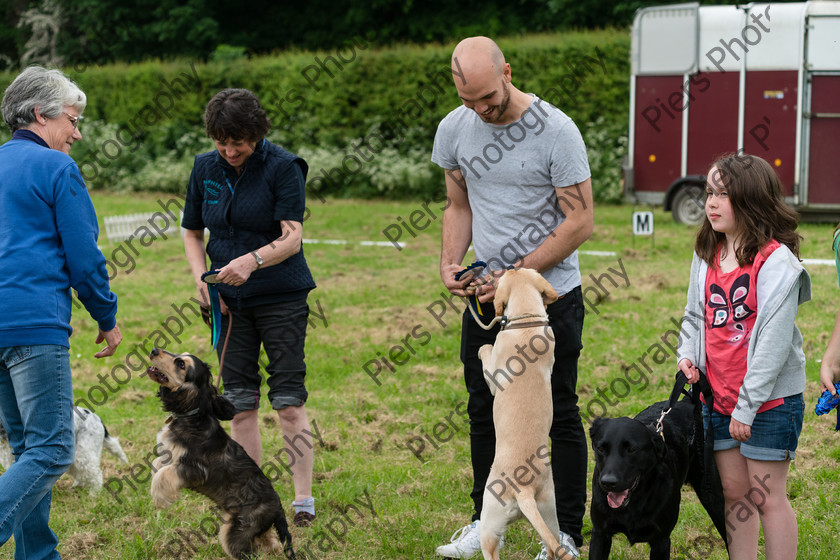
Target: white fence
149	224
120	228
155	225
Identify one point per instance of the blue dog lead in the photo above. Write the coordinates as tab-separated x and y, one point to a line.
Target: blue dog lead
216	318
210	279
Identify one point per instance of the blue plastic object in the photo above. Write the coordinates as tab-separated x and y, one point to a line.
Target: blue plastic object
474	270
215	305
828	402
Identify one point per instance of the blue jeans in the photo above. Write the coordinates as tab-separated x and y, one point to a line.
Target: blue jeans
36	408
774	434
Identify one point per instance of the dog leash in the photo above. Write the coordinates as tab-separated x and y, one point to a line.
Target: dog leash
224	349
475	270
506	321
703	387
710	479
679	388
209	278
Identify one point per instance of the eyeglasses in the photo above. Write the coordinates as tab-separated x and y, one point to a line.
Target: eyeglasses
73	119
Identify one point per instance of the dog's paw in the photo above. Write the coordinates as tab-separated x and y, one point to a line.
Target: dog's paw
162	502
484	353
165	488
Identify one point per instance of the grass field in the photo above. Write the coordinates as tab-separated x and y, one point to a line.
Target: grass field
375	299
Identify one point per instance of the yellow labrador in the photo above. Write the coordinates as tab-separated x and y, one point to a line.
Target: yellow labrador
517	369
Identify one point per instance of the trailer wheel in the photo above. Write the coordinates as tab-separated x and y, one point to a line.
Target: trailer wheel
689	205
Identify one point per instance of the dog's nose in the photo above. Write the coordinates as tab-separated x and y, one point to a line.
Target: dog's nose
609	481
154	352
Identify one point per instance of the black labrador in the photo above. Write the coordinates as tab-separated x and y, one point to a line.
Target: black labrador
639	474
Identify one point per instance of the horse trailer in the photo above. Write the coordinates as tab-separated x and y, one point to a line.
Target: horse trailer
760	79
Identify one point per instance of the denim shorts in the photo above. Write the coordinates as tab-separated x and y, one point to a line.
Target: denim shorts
774	433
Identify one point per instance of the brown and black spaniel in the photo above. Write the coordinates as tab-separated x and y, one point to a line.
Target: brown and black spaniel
198	454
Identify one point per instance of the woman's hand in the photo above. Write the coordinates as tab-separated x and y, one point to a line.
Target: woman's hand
204	298
237	271
112	338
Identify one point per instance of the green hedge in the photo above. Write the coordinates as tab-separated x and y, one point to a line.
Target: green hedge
143	123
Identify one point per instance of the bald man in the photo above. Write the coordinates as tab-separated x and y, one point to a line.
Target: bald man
518	187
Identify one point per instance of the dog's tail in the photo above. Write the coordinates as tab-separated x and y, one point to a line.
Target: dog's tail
282	528
528	507
112	444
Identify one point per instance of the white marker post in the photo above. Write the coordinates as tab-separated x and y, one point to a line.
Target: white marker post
643	225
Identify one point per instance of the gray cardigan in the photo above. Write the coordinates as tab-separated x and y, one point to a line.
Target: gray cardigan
775	361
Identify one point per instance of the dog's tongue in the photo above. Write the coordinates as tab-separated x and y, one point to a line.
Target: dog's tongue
615	499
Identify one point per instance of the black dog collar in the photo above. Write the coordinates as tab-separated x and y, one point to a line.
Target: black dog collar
174	415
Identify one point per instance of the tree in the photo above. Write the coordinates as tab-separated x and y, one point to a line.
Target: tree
45	23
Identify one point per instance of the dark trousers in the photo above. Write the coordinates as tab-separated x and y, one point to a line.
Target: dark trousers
568	439
280	328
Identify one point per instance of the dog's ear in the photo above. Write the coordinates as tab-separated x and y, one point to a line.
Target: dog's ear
223	409
201	371
547	291
500	300
595	429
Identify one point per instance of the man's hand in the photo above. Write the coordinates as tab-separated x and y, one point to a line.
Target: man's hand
485	286
455	287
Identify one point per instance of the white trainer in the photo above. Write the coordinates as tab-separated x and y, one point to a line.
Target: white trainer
566	542
465	542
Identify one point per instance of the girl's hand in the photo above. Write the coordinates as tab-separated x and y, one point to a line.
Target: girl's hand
692	374
739	431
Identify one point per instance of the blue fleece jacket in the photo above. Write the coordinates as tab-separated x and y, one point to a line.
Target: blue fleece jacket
48	233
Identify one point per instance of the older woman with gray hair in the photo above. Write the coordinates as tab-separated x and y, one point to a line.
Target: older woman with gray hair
48	233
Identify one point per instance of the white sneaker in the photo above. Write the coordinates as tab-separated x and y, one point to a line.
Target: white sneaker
465	542
566	542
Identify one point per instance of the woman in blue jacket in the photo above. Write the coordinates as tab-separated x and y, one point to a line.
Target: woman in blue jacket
48	233
249	193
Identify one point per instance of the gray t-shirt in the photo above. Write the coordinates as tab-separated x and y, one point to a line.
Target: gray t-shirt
511	172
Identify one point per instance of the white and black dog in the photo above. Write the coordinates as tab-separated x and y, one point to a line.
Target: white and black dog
6	457
91	437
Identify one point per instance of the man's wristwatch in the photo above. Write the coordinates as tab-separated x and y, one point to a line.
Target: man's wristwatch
258	258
